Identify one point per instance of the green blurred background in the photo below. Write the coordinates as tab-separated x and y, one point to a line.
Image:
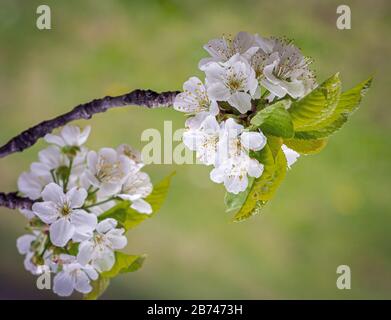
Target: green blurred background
333	208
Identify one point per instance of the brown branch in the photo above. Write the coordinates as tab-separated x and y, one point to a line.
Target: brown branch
145	98
13	201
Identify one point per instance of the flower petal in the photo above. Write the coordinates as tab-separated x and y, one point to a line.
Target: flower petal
141	206
253	140
76	197
53	192
61	232
241	101
106	225
63	284
23	243
84	255
46	211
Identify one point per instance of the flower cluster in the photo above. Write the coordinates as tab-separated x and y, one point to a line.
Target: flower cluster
71	187
242	76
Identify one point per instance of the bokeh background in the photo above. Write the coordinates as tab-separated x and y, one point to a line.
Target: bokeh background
333	208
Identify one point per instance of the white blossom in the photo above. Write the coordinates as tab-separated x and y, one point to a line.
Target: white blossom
73	276
107	170
99	250
64	214
234	164
287	71
233	81
234	141
222	49
204	140
135	188
233	172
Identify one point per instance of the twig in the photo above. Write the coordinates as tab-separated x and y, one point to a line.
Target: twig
13	201
146	98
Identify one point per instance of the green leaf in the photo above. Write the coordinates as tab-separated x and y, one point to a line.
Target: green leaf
274	120
124	263
310	146
349	102
129	218
99	286
264	187
308	112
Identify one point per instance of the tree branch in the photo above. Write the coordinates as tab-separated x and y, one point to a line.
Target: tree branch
146	98
13	201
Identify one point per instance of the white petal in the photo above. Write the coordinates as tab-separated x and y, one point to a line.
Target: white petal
255	169
218	91
194	85
76	197
241	101
84	135
70	135
53	192
295	88
63	284
30	185
236	184
253	140
290	154
105	261
106	225
82	283
108	154
23	243
46	211
214	108
84	255
195	122
275	89
83	222
117	239
91	272
61	232
141	206
54	139
217	175
92	160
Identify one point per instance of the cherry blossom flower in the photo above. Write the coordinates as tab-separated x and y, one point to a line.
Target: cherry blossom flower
233	172
222	49
99	250
73	276
204	140
62	211
233	163
135	188
287	71
107	170
233	81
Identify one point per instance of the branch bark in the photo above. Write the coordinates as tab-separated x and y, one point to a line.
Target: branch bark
13	201
145	98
